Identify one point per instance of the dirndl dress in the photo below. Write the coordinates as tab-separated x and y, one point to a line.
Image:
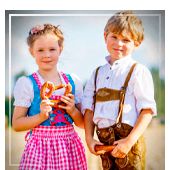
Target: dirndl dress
54	148
54	144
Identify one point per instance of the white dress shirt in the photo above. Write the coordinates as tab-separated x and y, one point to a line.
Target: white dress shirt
139	94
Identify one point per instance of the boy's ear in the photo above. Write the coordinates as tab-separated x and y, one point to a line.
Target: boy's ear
105	36
61	49
136	43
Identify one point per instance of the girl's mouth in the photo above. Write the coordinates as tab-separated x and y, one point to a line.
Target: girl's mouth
47	62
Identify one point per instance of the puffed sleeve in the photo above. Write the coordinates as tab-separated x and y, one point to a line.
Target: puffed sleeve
23	92
144	89
87	102
78	88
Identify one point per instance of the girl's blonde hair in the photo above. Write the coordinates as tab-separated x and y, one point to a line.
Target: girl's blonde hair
126	21
40	30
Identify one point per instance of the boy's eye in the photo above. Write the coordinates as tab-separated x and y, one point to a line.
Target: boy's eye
40	50
126	40
113	36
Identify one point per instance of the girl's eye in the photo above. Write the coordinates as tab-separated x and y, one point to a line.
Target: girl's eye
40	50
52	49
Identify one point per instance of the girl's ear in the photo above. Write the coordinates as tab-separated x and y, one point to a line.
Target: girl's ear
31	51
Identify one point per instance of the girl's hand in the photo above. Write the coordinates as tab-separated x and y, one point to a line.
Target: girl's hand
70	103
45	109
122	148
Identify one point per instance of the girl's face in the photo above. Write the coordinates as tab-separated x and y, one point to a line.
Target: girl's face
118	46
46	51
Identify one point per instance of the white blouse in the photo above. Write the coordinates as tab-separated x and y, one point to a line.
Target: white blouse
139	94
24	93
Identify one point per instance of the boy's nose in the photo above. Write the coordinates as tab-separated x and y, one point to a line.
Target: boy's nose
119	42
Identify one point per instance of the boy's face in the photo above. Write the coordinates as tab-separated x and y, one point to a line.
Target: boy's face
119	46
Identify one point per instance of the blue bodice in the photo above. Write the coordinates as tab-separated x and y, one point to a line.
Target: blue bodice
58	117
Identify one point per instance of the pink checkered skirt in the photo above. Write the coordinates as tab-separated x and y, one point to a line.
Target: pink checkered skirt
54	148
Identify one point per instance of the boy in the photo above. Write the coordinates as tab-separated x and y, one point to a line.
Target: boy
119	97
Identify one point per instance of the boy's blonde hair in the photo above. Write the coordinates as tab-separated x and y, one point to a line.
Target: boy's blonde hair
40	30
123	22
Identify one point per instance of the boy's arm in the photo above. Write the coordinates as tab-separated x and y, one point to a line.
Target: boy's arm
141	124
124	145
89	131
89	124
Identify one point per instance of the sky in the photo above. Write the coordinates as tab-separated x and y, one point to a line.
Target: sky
84	46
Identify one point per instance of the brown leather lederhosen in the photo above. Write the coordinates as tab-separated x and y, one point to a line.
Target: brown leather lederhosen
135	159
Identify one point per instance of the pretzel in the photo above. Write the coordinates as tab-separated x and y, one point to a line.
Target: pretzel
101	149
44	94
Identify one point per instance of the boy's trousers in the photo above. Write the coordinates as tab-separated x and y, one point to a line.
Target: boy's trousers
134	160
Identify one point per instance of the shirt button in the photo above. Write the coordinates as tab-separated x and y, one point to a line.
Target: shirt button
107	78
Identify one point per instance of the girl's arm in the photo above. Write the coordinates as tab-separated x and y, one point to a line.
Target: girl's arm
21	122
77	116
73	110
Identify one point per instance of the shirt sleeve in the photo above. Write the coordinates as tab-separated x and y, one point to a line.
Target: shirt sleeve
87	102
144	90
23	92
78	89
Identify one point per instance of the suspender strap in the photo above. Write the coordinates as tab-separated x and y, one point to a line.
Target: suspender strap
95	80
122	95
128	76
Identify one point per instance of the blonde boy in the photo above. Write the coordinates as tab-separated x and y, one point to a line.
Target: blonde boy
118	102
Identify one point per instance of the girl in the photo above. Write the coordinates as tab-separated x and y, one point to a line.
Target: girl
52	143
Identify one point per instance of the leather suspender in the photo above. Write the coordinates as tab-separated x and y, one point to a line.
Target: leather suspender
122	93
95	79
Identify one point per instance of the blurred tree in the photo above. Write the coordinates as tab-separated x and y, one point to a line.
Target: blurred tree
159	85
9	101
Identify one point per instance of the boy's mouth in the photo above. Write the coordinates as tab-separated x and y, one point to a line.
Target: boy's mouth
116	49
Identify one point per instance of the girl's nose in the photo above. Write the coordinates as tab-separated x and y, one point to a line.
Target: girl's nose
47	55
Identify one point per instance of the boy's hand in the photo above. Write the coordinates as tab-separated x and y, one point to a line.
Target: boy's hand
70	103
45	109
91	144
122	148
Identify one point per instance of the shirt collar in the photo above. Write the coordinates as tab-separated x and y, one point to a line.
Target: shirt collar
121	61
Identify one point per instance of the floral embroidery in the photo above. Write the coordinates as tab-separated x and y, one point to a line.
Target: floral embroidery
36	29
58	116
